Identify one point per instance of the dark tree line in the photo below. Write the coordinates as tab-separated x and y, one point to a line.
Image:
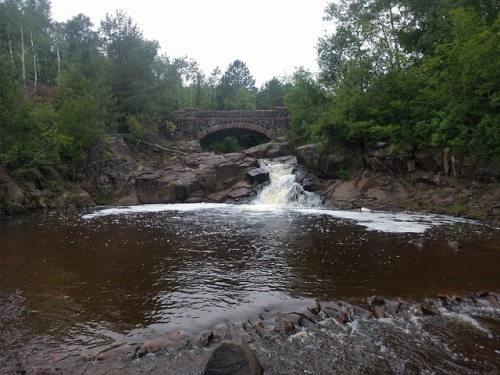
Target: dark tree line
419	74
66	86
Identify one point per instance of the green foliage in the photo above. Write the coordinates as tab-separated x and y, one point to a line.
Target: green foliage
345	174
86	112
236	89
226	145
410	74
141	127
272	94
418	74
130	62
457	209
463	85
305	101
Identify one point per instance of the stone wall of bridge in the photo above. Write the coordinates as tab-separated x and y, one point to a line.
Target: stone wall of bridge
196	124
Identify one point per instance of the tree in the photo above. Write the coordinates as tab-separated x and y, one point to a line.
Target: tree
462	96
27	25
130	62
236	89
305	100
271	94
87	113
80	46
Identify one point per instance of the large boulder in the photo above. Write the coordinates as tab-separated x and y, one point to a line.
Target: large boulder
258	175
233	357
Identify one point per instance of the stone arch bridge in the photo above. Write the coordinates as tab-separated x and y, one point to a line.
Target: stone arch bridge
206	126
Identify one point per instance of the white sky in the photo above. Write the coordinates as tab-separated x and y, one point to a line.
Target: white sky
272	37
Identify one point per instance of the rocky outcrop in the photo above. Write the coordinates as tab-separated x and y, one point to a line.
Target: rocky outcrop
179	177
25	189
270	150
376	177
382	179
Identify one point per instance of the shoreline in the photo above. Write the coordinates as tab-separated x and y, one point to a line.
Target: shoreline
284	332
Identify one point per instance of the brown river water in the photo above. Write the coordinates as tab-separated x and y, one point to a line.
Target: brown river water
71	281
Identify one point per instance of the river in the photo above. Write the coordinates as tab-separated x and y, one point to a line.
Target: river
74	281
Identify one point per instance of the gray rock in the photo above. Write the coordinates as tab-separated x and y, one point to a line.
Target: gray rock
233	357
259	175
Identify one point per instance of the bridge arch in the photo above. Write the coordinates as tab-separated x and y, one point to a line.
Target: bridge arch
222	128
195	124
217	132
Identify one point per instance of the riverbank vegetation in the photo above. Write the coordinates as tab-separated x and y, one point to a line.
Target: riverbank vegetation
419	75
416	74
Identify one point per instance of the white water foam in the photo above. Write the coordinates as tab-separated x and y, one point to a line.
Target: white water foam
285	194
391	222
373	220
144	208
284	190
468	320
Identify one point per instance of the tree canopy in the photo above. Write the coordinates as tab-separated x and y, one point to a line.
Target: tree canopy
418	74
421	75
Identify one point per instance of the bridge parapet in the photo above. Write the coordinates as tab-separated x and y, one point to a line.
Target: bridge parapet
196	124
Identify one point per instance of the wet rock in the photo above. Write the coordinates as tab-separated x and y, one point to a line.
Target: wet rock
152	346
376	301
453	245
241	192
118	351
428	310
239	329
362	313
173	342
264	331
340	312
269	150
486	299
392	307
233	357
208	338
259	175
288	327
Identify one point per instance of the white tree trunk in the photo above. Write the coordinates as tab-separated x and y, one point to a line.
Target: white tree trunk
11	53
58	66
22	55
35	64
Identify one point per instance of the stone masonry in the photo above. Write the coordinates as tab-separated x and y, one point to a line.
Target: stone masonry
196	124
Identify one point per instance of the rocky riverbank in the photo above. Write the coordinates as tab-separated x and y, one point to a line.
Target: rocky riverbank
373	335
123	174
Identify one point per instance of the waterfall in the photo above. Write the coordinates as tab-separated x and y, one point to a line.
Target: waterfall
283	189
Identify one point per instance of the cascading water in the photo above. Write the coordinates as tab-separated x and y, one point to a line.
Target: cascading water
283	189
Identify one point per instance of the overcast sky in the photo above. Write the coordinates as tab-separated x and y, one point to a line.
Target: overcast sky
273	37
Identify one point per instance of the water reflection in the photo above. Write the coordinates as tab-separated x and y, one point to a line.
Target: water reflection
87	280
